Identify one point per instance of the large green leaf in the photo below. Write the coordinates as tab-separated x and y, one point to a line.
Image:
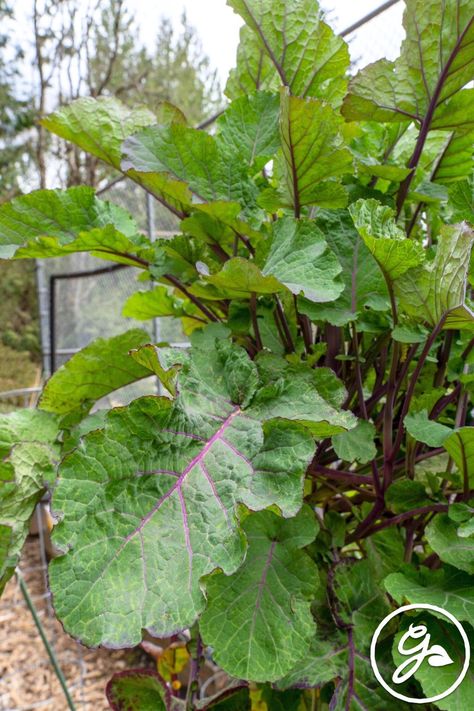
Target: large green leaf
365	286
309	58
22	483
258	620
147	504
315	155
255	70
250	127
442	535
434	63
192	157
451	589
300	258
45	222
437	288
99	126
376	225
100	368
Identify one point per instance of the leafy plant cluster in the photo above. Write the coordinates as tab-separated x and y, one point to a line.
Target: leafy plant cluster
312	464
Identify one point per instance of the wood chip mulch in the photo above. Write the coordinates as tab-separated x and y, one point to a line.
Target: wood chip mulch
27	679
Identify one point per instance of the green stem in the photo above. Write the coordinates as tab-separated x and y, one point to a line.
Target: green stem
47	646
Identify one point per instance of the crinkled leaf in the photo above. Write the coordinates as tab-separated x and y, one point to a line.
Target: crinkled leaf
98	126
255	70
451	589
309	57
147	504
315	154
442	535
138	690
45	222
298	392
27	426
218	223
376	225
193	157
356	445
100	368
437	288
434	63
29	468
460	447
421	428
300	259
364	284
258	620
436	679
250	127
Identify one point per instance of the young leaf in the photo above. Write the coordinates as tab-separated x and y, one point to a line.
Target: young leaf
99	369
434	64
258	620
148	503
421	428
238	278
143	305
57	218
309	58
23	480
138	690
249	126
376	225
442	535
448	588
314	153
300	259
437	288
356	445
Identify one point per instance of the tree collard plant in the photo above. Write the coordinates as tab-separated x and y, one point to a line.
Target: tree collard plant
311	463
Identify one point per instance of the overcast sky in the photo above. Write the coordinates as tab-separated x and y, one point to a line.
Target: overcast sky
218	26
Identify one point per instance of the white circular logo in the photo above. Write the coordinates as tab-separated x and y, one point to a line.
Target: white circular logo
435	654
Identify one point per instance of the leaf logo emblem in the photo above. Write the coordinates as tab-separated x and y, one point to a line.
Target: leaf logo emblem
436	655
